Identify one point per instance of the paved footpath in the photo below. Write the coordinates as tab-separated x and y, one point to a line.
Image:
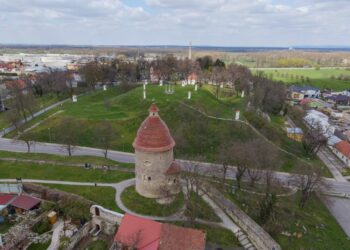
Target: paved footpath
55	241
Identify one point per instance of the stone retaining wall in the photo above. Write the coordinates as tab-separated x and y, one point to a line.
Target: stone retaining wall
257	235
50	194
83	232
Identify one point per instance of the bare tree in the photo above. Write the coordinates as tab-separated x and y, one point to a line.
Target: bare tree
315	137
192	188
225	157
308	182
68	134
241	154
26	136
105	136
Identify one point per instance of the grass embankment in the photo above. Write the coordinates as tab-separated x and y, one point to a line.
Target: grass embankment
127	110
310	228
94	160
11	170
322	78
42	102
217	237
103	196
195	134
39	246
145	206
97	245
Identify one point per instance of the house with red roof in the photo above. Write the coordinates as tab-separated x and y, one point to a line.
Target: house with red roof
5	200
143	234
22	203
192	79
342	150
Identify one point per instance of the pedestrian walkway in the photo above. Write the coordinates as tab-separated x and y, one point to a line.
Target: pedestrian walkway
55	241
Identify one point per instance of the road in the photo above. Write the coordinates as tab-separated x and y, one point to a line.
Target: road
57	149
204	168
339	207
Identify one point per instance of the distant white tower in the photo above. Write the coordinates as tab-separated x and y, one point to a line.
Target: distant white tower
190	51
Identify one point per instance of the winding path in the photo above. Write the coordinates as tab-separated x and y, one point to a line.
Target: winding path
226	222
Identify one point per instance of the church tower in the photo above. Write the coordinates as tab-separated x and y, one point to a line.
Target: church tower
157	174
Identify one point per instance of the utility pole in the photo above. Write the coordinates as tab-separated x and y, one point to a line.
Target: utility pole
190	51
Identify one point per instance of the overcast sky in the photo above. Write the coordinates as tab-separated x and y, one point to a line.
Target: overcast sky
176	22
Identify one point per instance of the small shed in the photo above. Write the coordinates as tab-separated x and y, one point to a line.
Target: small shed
25	203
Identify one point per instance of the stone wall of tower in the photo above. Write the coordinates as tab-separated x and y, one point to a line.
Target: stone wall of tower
150	170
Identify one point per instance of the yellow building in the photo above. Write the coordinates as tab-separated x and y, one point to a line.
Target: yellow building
295	134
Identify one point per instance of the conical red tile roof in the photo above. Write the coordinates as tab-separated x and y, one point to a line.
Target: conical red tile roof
153	134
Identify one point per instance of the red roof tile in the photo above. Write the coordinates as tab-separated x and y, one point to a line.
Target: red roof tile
153	108
153	134
5	199
139	232
145	234
25	202
175	238
174	168
344	148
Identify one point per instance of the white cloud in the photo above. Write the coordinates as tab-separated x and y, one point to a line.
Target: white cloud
211	22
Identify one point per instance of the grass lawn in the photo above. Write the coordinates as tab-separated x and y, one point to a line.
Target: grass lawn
205	212
39	246
103	196
97	245
217	237
94	160
318	78
315	225
145	206
10	170
5	227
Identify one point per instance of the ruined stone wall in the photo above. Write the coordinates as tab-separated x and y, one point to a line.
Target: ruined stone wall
257	235
150	177
83	232
106	219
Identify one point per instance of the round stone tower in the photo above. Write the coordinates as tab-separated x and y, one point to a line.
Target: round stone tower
157	174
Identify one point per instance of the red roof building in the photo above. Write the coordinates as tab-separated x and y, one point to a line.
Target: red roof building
144	234
344	148
175	168
6	199
25	202
153	134
192	77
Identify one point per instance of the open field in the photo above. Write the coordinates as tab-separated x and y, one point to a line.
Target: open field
103	196
310	228
322	78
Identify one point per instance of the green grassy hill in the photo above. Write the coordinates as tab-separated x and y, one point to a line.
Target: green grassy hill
195	135
127	110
